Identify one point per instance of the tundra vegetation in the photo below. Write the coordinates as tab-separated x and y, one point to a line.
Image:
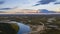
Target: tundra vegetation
52	23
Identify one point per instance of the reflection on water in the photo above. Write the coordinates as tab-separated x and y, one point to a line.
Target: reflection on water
23	28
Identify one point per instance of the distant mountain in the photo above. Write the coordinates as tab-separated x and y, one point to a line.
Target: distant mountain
46	11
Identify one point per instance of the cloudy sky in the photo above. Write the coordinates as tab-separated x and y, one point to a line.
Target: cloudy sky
31	4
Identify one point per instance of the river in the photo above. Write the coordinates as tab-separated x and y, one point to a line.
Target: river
23	29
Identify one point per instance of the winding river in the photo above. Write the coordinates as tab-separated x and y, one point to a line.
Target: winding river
23	29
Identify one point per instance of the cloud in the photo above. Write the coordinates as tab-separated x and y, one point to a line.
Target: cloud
36	4
8	8
42	2
2	2
46	11
5	8
57	3
2	12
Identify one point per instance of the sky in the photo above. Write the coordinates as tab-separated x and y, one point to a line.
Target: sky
53	5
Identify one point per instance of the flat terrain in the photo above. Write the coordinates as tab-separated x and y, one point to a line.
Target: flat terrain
36	22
